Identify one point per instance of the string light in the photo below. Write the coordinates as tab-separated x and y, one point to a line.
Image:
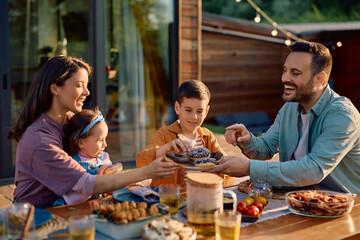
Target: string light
274	32
257	19
339	44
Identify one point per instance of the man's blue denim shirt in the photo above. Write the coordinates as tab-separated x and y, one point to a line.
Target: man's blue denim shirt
334	146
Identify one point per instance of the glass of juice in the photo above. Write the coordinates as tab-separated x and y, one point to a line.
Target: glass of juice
169	194
21	214
3	223
82	227
227	225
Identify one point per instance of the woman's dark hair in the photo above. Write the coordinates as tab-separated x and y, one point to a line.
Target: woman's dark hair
75	126
39	98
321	57
193	89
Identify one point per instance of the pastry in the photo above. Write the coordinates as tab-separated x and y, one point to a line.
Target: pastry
117	167
197	153
205	162
217	156
181	159
166	228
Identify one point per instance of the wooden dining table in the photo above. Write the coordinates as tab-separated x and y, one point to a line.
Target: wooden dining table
288	226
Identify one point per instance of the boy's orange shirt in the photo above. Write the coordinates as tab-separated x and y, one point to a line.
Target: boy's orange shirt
165	135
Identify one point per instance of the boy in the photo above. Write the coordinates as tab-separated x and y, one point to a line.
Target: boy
192	106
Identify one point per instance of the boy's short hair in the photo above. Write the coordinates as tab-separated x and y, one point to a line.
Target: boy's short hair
193	89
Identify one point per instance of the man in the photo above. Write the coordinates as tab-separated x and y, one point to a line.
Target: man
316	132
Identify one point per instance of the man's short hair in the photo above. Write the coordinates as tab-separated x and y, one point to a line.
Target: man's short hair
193	89
321	57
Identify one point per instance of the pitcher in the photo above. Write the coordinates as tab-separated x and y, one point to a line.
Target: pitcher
204	195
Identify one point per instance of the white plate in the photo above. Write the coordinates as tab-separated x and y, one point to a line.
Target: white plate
197	168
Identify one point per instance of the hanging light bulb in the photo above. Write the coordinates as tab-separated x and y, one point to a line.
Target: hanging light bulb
287	42
274	32
237	0
257	19
339	44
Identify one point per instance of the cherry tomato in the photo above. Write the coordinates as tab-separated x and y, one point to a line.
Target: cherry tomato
261	199
258	205
241	207
248	200
253	211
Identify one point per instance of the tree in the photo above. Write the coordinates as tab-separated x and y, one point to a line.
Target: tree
289	11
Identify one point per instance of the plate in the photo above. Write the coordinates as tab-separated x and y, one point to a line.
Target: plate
197	168
319	203
125	195
130	230
62	234
42	216
247	218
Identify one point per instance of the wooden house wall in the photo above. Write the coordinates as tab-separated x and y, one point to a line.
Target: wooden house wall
189	40
243	75
346	66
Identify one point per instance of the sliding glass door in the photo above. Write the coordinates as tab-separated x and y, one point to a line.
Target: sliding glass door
39	30
6	166
130	46
139	79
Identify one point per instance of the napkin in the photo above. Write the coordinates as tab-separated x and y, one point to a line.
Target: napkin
145	193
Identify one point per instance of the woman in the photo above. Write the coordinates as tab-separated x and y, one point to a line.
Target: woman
43	170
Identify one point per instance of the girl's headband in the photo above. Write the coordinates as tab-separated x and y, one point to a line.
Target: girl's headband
88	127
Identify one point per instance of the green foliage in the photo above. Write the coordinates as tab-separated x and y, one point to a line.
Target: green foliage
214	128
289	11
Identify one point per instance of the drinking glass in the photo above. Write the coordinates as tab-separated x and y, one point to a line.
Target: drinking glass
20	216
3	223
227	225
169	195
82	227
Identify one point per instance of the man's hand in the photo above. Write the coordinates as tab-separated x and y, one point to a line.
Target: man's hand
237	133
233	166
160	169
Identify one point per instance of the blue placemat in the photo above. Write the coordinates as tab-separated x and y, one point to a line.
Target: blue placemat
125	195
42	216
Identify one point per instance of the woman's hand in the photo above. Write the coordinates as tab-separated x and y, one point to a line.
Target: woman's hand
233	166
237	133
156	169
159	169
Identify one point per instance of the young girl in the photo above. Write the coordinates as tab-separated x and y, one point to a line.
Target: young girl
85	141
44	171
